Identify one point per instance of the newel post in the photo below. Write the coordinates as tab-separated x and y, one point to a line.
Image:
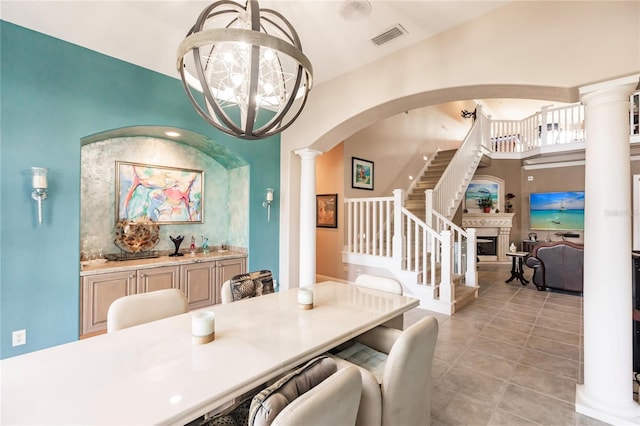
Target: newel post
446	292
471	274
428	207
398	234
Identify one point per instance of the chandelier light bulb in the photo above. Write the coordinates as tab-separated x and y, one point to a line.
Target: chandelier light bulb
237	79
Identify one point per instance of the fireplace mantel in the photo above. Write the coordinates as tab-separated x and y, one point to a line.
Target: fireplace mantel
496	224
487	220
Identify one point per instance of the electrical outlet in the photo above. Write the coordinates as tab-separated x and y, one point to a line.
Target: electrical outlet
19	337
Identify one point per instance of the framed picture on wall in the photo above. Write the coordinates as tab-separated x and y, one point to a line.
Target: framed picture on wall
162	194
484	194
327	210
361	173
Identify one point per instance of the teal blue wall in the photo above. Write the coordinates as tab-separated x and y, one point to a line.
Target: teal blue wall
52	94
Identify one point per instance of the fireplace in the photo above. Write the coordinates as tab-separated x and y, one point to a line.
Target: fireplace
492	234
487	246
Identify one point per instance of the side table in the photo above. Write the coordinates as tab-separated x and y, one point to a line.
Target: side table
528	245
517	272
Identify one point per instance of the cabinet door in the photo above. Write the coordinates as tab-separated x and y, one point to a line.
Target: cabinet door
98	292
158	278
197	281
226	269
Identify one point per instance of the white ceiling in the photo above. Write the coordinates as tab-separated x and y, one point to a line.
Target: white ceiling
147	32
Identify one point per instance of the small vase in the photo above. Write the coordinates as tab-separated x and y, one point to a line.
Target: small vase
487	209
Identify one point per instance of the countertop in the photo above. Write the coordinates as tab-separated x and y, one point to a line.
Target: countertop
92	268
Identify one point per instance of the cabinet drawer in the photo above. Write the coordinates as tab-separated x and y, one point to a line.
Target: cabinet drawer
158	279
197	281
98	292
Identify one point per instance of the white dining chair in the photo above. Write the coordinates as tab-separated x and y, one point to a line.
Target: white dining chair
388	285
396	373
141	308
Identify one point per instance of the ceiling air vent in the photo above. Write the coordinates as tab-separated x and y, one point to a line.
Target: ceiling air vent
390	34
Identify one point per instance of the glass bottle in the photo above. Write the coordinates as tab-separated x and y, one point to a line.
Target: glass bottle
192	247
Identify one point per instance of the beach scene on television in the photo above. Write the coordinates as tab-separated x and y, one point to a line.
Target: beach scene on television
557	210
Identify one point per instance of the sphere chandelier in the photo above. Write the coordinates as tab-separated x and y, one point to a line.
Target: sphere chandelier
243	69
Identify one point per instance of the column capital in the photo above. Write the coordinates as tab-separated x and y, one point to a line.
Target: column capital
609	91
307	153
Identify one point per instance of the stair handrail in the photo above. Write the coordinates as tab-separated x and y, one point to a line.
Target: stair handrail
420	240
447	194
372	223
465	251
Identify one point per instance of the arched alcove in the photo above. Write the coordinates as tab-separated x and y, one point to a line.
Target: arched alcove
225	185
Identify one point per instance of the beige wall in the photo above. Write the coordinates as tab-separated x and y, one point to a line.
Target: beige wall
329	180
516	180
397	145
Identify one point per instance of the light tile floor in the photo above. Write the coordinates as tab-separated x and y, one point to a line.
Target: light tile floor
512	357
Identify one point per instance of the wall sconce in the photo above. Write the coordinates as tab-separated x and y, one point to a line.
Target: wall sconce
267	203
39	184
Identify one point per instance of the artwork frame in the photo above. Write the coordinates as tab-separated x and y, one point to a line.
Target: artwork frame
146	192
484	186
361	173
327	210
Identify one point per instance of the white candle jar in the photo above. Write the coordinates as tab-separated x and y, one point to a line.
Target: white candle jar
203	327
305	298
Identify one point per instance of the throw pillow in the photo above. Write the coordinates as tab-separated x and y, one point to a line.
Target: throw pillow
267	404
243	289
264	282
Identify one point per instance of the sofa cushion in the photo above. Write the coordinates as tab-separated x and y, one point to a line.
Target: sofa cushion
267	404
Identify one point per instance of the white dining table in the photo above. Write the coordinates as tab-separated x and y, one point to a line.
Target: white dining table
154	374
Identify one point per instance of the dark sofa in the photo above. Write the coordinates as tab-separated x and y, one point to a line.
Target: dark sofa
557	265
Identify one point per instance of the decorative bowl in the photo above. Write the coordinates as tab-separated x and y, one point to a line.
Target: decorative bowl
136	236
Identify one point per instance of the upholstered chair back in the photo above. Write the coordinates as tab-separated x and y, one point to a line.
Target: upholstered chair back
247	285
406	383
138	309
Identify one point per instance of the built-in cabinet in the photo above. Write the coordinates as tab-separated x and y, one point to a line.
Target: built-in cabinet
200	279
199	283
159	278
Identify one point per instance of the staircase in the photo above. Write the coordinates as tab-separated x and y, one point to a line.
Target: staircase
415	203
411	234
430	177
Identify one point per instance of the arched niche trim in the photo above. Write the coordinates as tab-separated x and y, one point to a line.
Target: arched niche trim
216	151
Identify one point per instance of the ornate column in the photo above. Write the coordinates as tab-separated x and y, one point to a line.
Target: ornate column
607	392
307	216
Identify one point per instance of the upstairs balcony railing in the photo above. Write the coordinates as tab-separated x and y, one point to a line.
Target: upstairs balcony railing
551	126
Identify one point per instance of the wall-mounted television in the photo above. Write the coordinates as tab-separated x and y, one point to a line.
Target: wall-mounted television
561	211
